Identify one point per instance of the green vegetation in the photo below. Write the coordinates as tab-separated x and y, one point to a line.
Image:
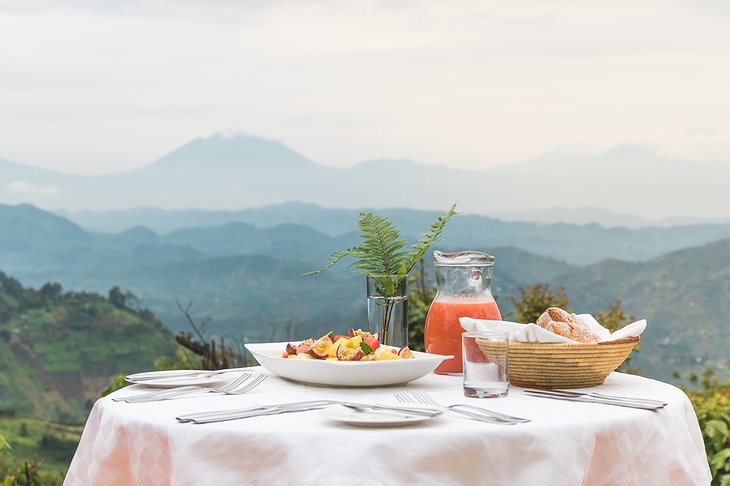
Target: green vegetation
57	350
534	299
711	401
45	447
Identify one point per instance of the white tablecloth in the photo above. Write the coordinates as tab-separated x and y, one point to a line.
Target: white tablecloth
566	444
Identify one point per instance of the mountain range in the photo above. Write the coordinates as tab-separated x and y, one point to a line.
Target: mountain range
575	244
247	279
222	172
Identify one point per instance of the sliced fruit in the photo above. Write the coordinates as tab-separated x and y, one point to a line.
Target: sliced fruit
405	353
372	342
315	354
291	349
320	349
361	333
349	354
385	355
333	349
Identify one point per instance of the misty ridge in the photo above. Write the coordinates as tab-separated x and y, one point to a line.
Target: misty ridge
628	186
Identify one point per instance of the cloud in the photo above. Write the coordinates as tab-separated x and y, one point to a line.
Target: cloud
701	131
22	187
467	84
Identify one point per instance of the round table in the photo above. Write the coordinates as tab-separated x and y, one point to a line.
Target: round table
567	443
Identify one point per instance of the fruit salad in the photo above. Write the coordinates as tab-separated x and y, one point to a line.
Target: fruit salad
357	345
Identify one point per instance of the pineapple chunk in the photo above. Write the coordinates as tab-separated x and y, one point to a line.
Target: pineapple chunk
332	350
385	354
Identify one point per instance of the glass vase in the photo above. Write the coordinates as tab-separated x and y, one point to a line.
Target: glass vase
388	308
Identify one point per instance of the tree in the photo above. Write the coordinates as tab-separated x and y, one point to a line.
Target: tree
421	292
534	299
613	319
214	356
117	298
51	291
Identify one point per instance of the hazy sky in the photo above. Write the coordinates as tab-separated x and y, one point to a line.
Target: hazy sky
100	86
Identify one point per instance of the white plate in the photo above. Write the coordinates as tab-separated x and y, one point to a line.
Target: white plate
344	373
372	418
175	381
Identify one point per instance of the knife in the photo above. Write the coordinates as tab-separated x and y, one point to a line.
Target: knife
589	399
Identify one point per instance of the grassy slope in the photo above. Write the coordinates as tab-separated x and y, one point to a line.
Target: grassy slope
30	438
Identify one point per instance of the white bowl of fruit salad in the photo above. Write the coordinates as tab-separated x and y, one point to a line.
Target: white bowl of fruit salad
355	359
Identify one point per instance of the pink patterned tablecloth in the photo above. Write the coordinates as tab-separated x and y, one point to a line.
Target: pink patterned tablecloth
566	444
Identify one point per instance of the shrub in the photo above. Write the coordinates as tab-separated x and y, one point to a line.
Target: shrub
713	412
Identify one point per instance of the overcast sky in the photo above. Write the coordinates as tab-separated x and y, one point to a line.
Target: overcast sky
97	86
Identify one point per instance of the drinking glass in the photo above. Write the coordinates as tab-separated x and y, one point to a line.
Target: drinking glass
484	356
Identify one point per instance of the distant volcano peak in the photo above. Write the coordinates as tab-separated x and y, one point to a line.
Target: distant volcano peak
233	148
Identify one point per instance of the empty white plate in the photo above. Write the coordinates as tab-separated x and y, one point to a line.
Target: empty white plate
372	418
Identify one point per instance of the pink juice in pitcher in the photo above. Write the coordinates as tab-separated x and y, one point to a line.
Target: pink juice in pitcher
464	282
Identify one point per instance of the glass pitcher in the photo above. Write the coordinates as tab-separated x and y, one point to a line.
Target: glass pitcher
464	282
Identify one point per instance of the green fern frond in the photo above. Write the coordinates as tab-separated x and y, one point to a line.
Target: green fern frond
381	254
381	245
335	257
432	234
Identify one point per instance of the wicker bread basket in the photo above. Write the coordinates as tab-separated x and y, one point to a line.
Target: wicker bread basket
562	365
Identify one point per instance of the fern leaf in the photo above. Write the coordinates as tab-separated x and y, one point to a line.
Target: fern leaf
432	234
335	257
381	254
381	246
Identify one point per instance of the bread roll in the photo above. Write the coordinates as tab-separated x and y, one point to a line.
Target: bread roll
562	323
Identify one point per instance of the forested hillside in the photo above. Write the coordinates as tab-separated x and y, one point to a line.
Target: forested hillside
59	349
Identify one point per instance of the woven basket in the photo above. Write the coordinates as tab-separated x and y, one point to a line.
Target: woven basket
562	365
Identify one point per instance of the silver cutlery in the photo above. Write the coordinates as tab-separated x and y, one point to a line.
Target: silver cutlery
426	412
276	409
161	375
615	397
182	391
645	404
238	386
255	411
416	395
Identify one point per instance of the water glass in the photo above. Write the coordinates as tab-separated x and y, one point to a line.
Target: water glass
484	356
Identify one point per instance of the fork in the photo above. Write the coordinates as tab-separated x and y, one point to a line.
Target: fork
418	395
231	388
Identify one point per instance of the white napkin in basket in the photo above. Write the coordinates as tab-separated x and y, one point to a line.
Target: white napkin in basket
532	333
